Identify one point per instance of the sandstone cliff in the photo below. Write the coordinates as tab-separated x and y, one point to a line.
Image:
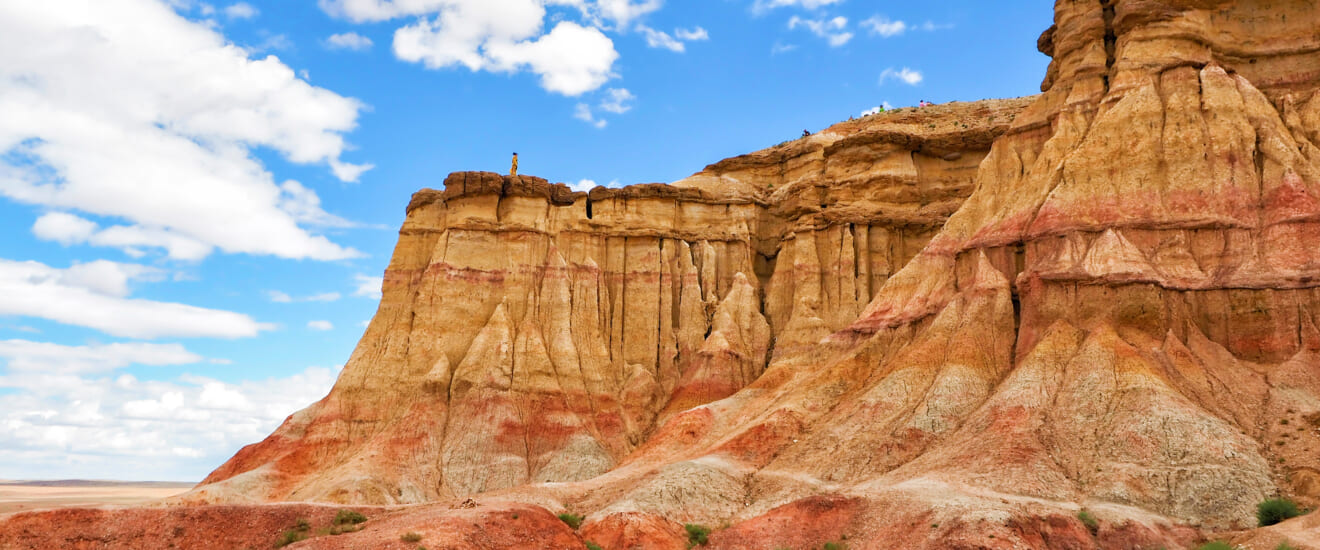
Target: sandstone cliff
938	327
564	325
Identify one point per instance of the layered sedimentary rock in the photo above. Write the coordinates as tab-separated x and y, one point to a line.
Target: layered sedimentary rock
956	323
532	334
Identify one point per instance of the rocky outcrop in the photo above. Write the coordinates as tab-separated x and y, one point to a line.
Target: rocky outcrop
979	318
532	334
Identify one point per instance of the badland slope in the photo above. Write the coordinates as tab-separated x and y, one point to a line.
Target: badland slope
952	327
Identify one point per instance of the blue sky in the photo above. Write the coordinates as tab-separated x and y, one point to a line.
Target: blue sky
198	198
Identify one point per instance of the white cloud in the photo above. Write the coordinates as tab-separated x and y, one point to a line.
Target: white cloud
623	12
282	298
348	41
696	34
779	48
582	185
675	43
504	36
94	295
108	278
64	228
42	357
583	112
906	75
82	422
661	39
127	110
616	101
241	10
832	30
764	5
883	26
368	286
320	325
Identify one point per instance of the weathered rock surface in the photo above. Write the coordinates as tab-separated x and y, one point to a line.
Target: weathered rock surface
952	327
531	334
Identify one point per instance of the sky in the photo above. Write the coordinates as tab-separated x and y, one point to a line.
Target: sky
198	198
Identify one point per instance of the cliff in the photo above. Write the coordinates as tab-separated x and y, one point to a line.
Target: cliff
945	327
568	324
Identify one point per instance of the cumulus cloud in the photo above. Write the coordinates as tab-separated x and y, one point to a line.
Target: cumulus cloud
95	295
66	415
904	75
765	5
833	30
368	286
240	10
128	111
348	41
883	26
64	228
780	47
320	325
502	36
582	185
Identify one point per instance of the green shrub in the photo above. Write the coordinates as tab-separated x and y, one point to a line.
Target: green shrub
289	537
1216	545
1092	524
410	537
349	517
834	546
303	525
573	520
593	546
697	534
1285	546
1276	510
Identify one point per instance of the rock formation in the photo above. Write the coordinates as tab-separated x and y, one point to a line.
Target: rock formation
562	326
945	327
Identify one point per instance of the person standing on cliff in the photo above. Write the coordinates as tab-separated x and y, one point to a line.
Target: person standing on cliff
514	170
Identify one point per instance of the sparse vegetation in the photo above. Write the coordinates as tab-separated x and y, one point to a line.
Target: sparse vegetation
348	517
1216	545
289	537
410	537
698	535
593	546
573	520
303	525
1276	510
834	546
1285	546
1092	524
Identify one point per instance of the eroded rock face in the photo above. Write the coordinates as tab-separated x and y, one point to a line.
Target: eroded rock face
532	334
982	317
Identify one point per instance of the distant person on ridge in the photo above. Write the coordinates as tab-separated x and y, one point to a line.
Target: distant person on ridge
806	133
514	171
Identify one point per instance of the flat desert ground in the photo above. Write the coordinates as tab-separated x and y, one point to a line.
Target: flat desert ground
18	496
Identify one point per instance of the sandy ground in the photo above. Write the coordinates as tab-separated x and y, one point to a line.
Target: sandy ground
17	496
